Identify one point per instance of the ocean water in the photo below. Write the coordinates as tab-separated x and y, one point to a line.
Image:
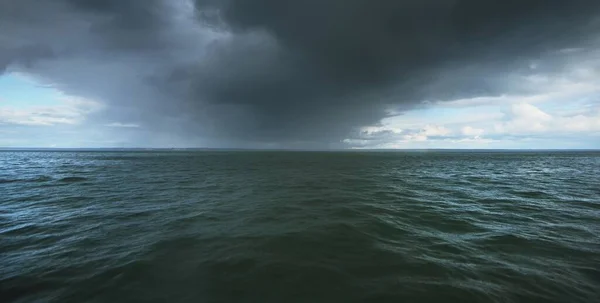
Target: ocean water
299	226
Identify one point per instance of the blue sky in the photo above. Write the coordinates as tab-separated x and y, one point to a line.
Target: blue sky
36	115
18	91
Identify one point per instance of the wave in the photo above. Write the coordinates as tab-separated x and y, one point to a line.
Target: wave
41	178
4	181
301	228
73	179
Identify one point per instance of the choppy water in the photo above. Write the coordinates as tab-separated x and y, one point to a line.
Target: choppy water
299	227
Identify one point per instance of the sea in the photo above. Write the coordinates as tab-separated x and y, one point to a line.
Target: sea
291	226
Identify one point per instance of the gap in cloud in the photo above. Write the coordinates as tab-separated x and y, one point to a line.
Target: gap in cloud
35	114
25	101
18	90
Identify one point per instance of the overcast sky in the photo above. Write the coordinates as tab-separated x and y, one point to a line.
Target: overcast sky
308	74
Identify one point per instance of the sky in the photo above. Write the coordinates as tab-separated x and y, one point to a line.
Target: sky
324	74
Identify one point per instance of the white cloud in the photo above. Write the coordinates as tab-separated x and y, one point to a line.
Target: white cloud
471	131
475	139
516	127
529	119
435	131
383	135
529	112
381	129
415	137
526	118
68	110
124	125
581	123
551	107
476	101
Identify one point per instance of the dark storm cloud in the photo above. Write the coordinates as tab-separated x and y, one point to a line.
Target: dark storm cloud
283	71
126	24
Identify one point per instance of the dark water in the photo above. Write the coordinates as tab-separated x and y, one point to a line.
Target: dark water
299	227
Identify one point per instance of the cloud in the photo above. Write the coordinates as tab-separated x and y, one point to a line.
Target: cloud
528	111
522	125
68	111
528	119
289	73
472	132
124	125
574	82
557	106
435	131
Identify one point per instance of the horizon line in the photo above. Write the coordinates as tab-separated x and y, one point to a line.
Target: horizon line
280	149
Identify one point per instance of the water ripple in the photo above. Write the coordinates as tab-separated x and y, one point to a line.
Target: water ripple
299	227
